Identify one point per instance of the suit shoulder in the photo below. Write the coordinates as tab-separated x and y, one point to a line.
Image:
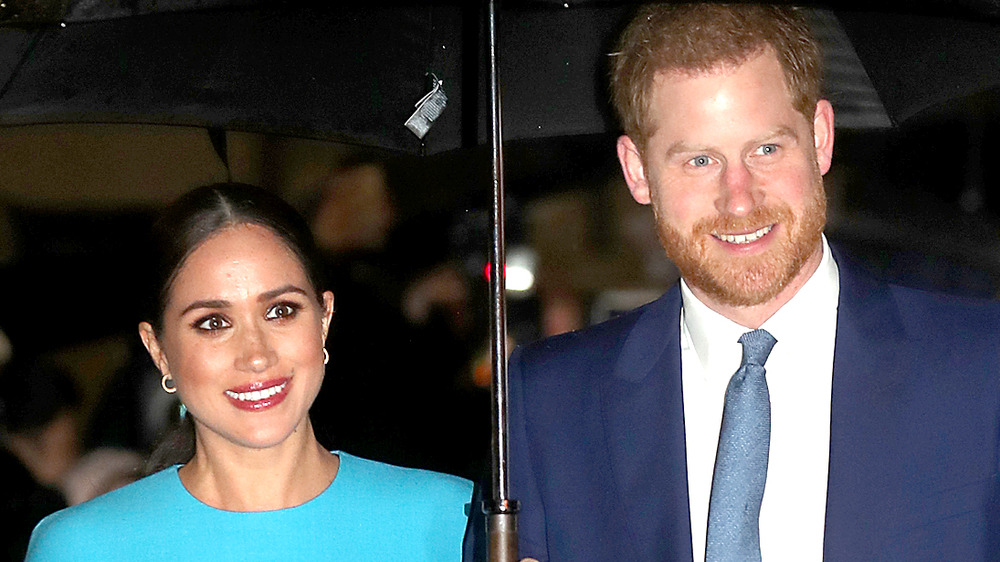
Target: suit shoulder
579	351
921	312
923	308
602	333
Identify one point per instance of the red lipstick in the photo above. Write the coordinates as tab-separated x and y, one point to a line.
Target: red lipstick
257	396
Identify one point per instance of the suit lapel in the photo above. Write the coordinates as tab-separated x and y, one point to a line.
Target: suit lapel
644	418
870	365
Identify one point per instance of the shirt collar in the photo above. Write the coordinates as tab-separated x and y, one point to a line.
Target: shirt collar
714	335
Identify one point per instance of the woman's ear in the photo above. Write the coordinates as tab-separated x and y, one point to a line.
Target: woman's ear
327	313
148	337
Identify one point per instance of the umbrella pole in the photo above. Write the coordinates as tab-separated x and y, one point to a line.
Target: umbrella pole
500	510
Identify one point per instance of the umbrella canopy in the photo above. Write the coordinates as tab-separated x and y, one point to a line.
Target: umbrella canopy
350	73
353	73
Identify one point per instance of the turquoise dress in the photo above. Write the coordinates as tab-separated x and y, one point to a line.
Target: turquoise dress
371	511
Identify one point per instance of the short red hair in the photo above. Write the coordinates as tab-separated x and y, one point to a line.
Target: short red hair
698	38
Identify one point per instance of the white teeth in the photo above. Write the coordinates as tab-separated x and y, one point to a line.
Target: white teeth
743	238
256	394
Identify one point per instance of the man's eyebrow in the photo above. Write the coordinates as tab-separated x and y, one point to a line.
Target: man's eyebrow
782	131
681	147
268	295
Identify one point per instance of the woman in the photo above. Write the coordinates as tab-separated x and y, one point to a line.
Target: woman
237	329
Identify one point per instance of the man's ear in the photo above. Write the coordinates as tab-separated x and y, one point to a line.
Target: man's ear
148	337
823	135
633	170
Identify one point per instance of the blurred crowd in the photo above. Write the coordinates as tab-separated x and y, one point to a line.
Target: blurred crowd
49	460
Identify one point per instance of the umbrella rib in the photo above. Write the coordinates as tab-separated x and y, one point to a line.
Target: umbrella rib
21	62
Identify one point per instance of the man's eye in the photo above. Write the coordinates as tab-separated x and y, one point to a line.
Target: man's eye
281	310
700	161
767	149
211	323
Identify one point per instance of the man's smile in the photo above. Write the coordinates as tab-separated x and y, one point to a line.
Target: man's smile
744	238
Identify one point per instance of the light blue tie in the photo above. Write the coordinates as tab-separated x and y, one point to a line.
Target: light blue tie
741	463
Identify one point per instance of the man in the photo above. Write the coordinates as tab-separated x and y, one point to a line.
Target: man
883	401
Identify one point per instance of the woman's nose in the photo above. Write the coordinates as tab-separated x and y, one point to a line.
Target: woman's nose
256	353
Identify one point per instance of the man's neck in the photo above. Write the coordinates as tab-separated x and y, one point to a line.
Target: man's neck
752	317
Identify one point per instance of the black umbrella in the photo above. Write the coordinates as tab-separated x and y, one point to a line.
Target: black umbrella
353	73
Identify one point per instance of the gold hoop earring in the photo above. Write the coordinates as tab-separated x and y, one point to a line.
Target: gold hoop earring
163	383
326	356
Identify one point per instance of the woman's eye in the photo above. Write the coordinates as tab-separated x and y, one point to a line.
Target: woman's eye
211	323
282	310
700	161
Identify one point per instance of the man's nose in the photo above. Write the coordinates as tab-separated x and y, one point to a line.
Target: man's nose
737	190
255	353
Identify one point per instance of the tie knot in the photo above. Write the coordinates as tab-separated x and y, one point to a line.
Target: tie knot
757	346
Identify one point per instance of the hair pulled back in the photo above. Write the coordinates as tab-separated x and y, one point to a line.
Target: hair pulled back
201	213
183	227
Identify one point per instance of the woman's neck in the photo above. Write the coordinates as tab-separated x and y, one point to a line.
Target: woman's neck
232	477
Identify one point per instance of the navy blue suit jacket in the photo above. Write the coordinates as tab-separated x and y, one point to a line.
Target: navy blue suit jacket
597	433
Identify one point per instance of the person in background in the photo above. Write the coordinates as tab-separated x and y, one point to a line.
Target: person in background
411	406
778	403
236	324
38	433
44	454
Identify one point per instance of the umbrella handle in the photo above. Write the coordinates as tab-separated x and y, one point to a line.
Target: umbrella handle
502	531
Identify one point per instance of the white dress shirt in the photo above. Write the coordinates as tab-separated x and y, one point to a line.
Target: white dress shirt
799	379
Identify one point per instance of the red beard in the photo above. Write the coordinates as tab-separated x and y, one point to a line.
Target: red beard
749	280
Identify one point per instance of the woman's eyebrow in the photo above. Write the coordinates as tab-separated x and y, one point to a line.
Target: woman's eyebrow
268	295
265	296
205	304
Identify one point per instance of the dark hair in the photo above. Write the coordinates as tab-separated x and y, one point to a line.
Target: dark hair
197	215
699	37
184	226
